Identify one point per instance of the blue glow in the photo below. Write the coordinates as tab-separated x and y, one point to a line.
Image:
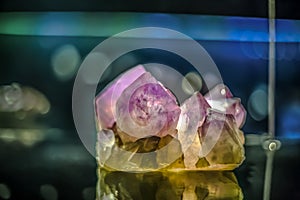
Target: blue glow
290	122
200	27
58	23
161	20
288	30
292	135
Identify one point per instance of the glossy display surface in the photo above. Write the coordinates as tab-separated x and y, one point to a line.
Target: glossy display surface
187	185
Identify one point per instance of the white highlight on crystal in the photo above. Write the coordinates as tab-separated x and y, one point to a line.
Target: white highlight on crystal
223	91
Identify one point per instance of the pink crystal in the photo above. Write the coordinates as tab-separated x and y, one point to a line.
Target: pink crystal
146	108
196	107
193	114
220	91
221	98
106	100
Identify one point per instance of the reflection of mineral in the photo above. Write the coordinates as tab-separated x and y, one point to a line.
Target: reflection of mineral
141	126
185	185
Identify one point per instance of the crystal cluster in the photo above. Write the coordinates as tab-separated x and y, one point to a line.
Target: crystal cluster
142	127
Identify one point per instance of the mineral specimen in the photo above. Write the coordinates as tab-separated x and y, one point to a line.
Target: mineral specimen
142	128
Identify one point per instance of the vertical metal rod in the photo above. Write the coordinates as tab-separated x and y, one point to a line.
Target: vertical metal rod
271	99
268	174
271	89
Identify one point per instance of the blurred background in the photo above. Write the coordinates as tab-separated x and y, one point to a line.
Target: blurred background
41	154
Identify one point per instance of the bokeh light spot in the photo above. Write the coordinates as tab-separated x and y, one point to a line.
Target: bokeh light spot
95	60
89	193
48	192
258	104
65	61
191	83
4	191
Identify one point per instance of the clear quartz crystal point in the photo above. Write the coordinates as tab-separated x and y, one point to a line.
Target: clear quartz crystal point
222	99
106	141
193	114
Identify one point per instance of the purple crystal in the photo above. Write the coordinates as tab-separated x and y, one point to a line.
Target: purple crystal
221	98
106	100
193	114
220	91
196	108
146	108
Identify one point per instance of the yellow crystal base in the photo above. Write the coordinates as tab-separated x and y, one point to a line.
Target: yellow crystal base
171	153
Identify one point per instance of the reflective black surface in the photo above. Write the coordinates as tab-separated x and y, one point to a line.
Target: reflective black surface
71	170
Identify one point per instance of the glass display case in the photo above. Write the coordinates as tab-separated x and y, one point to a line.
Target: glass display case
43	156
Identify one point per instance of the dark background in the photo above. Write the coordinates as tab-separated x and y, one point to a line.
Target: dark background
62	161
286	9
